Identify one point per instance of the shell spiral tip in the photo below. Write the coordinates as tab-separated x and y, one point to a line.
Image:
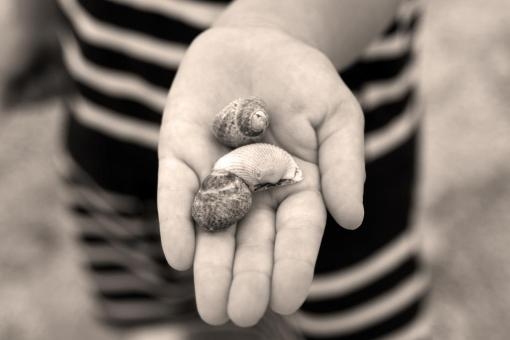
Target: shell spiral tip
259	121
241	122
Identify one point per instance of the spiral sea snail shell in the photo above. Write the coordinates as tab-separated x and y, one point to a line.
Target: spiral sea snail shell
225	196
222	198
242	121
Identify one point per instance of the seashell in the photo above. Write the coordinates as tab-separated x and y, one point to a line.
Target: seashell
223	199
242	121
225	196
261	166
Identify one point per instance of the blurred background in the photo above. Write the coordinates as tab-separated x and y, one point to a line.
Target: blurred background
463	206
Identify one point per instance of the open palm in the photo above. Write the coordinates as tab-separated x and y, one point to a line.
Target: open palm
269	258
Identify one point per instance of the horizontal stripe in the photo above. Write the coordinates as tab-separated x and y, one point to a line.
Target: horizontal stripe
121	281
114	225
80	200
369	291
107	267
197	13
82	188
115	125
116	166
383	115
398	37
161	52
84	209
128	295
396	44
148	271
383	328
383	140
406	19
133	312
112	82
169	294
98	236
177	330
126	252
95	239
119	308
116	60
368	271
85	195
123	106
136	20
134	287
105	252
400	25
368	314
419	329
180	287
378	93
362	72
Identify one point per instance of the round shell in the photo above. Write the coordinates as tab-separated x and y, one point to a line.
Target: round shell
261	166
242	121
223	199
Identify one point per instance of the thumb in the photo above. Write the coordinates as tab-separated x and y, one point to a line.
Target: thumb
342	162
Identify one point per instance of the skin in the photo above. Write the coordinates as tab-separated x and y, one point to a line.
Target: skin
269	258
286	52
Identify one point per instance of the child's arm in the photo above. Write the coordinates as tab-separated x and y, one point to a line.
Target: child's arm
341	29
277	50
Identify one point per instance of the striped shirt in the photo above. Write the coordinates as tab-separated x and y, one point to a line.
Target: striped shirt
123	64
123	56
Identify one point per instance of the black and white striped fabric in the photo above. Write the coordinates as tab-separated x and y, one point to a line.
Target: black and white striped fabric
123	55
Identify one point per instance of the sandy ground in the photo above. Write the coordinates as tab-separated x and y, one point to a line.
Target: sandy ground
463	203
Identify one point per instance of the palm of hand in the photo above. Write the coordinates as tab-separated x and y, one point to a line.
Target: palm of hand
269	258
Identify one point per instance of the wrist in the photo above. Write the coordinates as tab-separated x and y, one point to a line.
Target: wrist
300	20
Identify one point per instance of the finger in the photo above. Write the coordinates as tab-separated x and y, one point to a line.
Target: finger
186	155
213	273
253	264
342	162
300	221
176	186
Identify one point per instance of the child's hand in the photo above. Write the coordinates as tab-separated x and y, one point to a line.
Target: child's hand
270	257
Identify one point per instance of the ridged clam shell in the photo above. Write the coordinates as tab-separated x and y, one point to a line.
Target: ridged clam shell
223	199
261	166
242	121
